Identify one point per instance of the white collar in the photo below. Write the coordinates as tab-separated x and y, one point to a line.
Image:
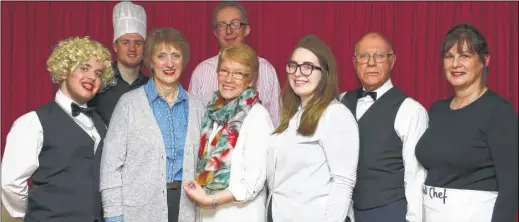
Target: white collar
382	89
65	102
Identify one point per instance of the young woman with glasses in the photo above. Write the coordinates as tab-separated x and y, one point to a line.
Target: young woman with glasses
312	161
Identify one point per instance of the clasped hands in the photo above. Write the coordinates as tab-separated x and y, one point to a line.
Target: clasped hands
196	193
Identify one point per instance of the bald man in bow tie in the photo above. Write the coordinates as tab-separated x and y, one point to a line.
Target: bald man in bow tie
389	178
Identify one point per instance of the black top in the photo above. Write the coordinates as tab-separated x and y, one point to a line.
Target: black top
380	171
66	183
107	98
474	148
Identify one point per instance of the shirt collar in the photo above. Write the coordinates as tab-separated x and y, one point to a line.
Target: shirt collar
152	94
65	102
382	89
117	73
214	59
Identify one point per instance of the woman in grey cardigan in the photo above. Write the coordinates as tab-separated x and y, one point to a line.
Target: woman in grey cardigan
152	140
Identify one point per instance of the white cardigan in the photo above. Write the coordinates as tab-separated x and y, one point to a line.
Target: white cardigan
248	171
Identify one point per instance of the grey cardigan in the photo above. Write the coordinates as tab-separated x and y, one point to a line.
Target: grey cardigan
133	163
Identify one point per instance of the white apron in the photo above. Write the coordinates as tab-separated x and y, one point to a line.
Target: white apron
456	205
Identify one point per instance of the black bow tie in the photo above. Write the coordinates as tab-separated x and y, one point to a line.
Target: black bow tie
78	109
363	94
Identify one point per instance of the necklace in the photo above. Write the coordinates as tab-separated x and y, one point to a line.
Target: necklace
91	127
171	103
458	105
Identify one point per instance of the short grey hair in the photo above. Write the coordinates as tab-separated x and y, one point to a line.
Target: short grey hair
231	4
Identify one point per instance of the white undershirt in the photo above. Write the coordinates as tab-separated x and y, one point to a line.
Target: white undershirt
410	123
22	149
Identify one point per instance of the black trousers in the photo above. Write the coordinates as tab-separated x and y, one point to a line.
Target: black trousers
173	204
269	212
393	212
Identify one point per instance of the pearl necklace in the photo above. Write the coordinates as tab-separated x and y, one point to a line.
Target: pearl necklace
455	105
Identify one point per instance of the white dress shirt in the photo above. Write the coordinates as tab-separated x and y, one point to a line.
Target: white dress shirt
311	178
22	149
410	123
248	171
204	82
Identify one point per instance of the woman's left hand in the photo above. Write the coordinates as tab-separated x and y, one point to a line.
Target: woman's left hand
197	193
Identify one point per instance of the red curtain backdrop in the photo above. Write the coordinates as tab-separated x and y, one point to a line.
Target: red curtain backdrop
31	29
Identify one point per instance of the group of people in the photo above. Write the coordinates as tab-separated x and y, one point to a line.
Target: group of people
116	145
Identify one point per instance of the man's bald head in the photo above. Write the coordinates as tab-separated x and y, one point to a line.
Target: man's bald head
374	59
373	36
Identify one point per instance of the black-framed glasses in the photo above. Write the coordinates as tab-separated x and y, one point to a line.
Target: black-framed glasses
235	75
378	57
233	25
305	68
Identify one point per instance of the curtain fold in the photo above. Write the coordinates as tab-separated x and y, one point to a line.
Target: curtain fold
416	29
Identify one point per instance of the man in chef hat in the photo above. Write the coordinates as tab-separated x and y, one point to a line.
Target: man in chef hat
129	21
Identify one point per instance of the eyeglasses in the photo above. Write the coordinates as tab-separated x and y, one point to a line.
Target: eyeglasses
235	75
378	57
233	25
305	68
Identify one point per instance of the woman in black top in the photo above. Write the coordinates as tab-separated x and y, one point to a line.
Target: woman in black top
470	148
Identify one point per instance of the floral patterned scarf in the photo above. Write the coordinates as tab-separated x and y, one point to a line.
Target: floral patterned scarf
214	157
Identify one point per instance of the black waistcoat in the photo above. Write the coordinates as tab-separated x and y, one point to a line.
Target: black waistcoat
66	183
380	173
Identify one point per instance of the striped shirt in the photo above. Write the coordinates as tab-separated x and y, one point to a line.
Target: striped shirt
204	82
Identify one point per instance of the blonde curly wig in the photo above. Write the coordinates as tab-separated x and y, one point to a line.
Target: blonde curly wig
69	53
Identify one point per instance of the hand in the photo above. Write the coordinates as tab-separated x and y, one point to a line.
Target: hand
196	193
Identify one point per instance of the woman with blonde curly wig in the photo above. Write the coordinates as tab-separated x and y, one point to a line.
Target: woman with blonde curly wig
58	145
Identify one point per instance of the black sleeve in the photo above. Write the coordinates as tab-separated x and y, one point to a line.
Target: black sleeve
435	106
502	140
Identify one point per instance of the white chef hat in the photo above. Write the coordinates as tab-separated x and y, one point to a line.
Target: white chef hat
129	18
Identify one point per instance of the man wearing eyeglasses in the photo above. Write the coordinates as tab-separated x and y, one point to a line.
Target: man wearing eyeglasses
389	178
230	26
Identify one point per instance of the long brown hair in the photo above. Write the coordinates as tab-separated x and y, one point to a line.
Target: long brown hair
326	91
